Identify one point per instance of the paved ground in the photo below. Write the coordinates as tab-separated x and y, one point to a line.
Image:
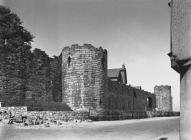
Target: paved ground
144	129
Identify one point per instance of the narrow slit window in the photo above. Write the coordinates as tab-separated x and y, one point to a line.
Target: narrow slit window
69	61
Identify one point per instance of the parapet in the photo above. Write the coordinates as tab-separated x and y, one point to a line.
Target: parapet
162	87
89	46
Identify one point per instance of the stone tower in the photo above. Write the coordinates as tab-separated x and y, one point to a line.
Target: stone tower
84	77
163	98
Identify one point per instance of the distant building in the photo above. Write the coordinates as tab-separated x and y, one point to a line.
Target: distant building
118	74
163	98
138	87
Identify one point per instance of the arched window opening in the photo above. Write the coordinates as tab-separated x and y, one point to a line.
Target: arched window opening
69	61
149	102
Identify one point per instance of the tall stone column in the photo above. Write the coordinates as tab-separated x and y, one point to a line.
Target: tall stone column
181	59
185	97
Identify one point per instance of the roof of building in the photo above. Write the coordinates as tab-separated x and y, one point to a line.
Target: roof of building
113	73
118	74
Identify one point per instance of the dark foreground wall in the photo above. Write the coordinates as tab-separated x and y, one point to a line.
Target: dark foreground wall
124	98
37	79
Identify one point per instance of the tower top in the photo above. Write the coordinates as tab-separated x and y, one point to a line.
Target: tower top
123	66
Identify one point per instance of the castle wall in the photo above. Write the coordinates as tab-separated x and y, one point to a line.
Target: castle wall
124	98
39	81
84	72
56	78
163	98
37	78
11	78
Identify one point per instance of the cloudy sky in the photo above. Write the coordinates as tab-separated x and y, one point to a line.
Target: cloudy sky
135	33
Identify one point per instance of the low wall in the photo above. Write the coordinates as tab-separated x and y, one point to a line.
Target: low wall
15	111
59	115
47	115
117	115
80	115
164	114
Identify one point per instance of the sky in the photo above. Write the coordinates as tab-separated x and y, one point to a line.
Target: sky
135	33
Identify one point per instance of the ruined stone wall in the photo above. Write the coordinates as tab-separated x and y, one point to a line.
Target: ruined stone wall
56	78
124	98
44	83
37	78
12	79
39	81
15	111
49	115
52	116
84	73
163	98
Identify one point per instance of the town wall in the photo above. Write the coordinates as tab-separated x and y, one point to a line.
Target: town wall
56	78
11	78
37	78
77	78
124	98
39	81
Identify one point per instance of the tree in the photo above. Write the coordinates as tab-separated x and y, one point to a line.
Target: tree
15	53
11	30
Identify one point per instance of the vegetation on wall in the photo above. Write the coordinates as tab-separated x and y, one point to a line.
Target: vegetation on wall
24	74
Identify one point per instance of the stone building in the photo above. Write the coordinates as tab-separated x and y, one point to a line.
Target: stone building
118	74
88	85
163	98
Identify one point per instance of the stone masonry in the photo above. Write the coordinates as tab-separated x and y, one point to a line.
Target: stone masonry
163	98
84	74
180	56
86	86
79	79
124	98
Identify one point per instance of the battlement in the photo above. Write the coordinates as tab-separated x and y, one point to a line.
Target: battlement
84	46
163	87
